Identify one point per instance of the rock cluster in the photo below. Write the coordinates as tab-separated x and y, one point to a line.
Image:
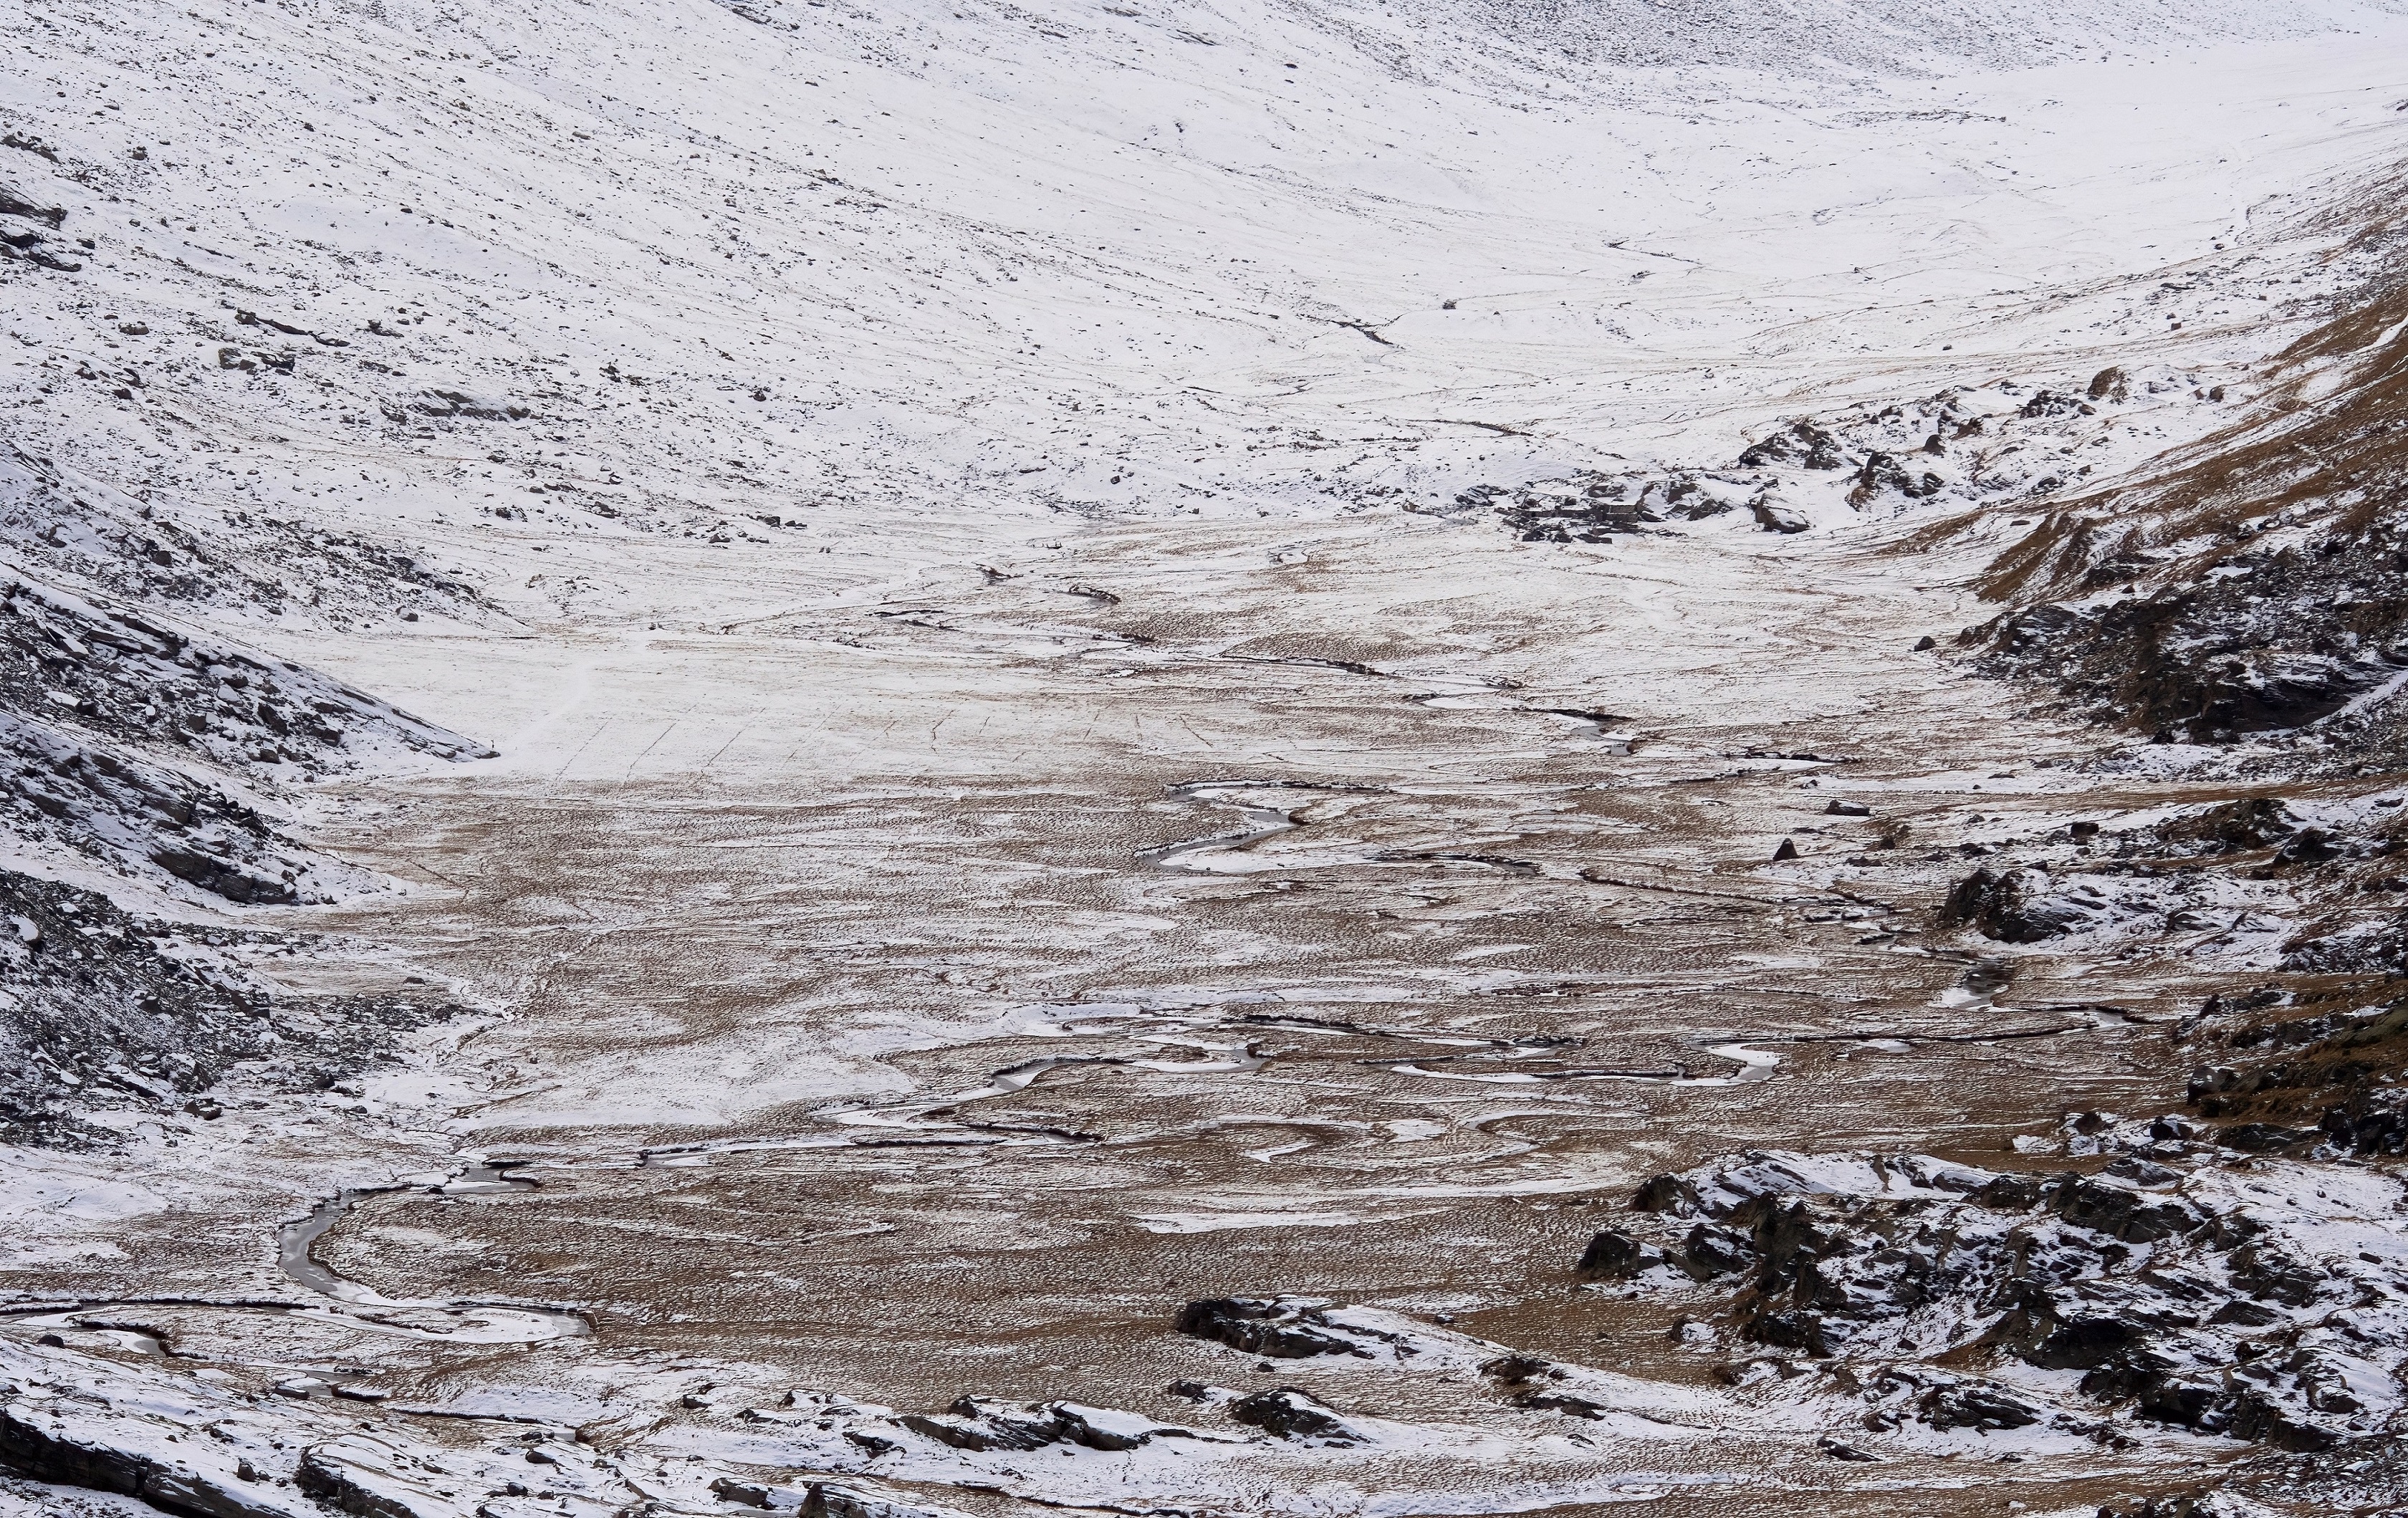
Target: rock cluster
2265	579
1279	1329
1592	507
2254	1299
72	531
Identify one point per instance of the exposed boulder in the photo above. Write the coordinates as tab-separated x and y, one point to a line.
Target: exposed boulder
1883	472
456	401
15	201
981	1424
1290	1414
368	1477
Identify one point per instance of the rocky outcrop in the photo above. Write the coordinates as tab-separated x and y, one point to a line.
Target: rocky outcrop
831	1499
1591	507
374	1478
1285	1328
2266	570
125	740
54	1440
1802	442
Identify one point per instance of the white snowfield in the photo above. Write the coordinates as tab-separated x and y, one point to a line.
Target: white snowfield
942	511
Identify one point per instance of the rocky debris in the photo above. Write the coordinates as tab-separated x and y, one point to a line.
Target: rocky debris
2369	1481
2261	650
16	202
82	1422
2318	1075
2000	441
829	1499
2194	1505
1944	1402
753	1494
1773	517
1591	507
1716	1191
2110	385
1537	1384
2049	403
106	1009
2266	577
971	1426
368	1477
2235	827
117	676
1400	1344
2260	1300
2342	945
451	401
1995	442
1802	442
147	819
253	318
1617	1255
52	1435
1303	1327
1881	472
28	228
1286	1328
1290	1414
2313	882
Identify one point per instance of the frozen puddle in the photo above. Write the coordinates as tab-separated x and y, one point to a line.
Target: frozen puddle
1754	1064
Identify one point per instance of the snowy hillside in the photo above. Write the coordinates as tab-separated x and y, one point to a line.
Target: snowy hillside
730	270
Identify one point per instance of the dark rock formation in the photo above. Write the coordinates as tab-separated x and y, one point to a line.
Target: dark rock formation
2179	1295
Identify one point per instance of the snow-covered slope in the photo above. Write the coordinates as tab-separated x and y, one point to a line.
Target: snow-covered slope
1105	258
